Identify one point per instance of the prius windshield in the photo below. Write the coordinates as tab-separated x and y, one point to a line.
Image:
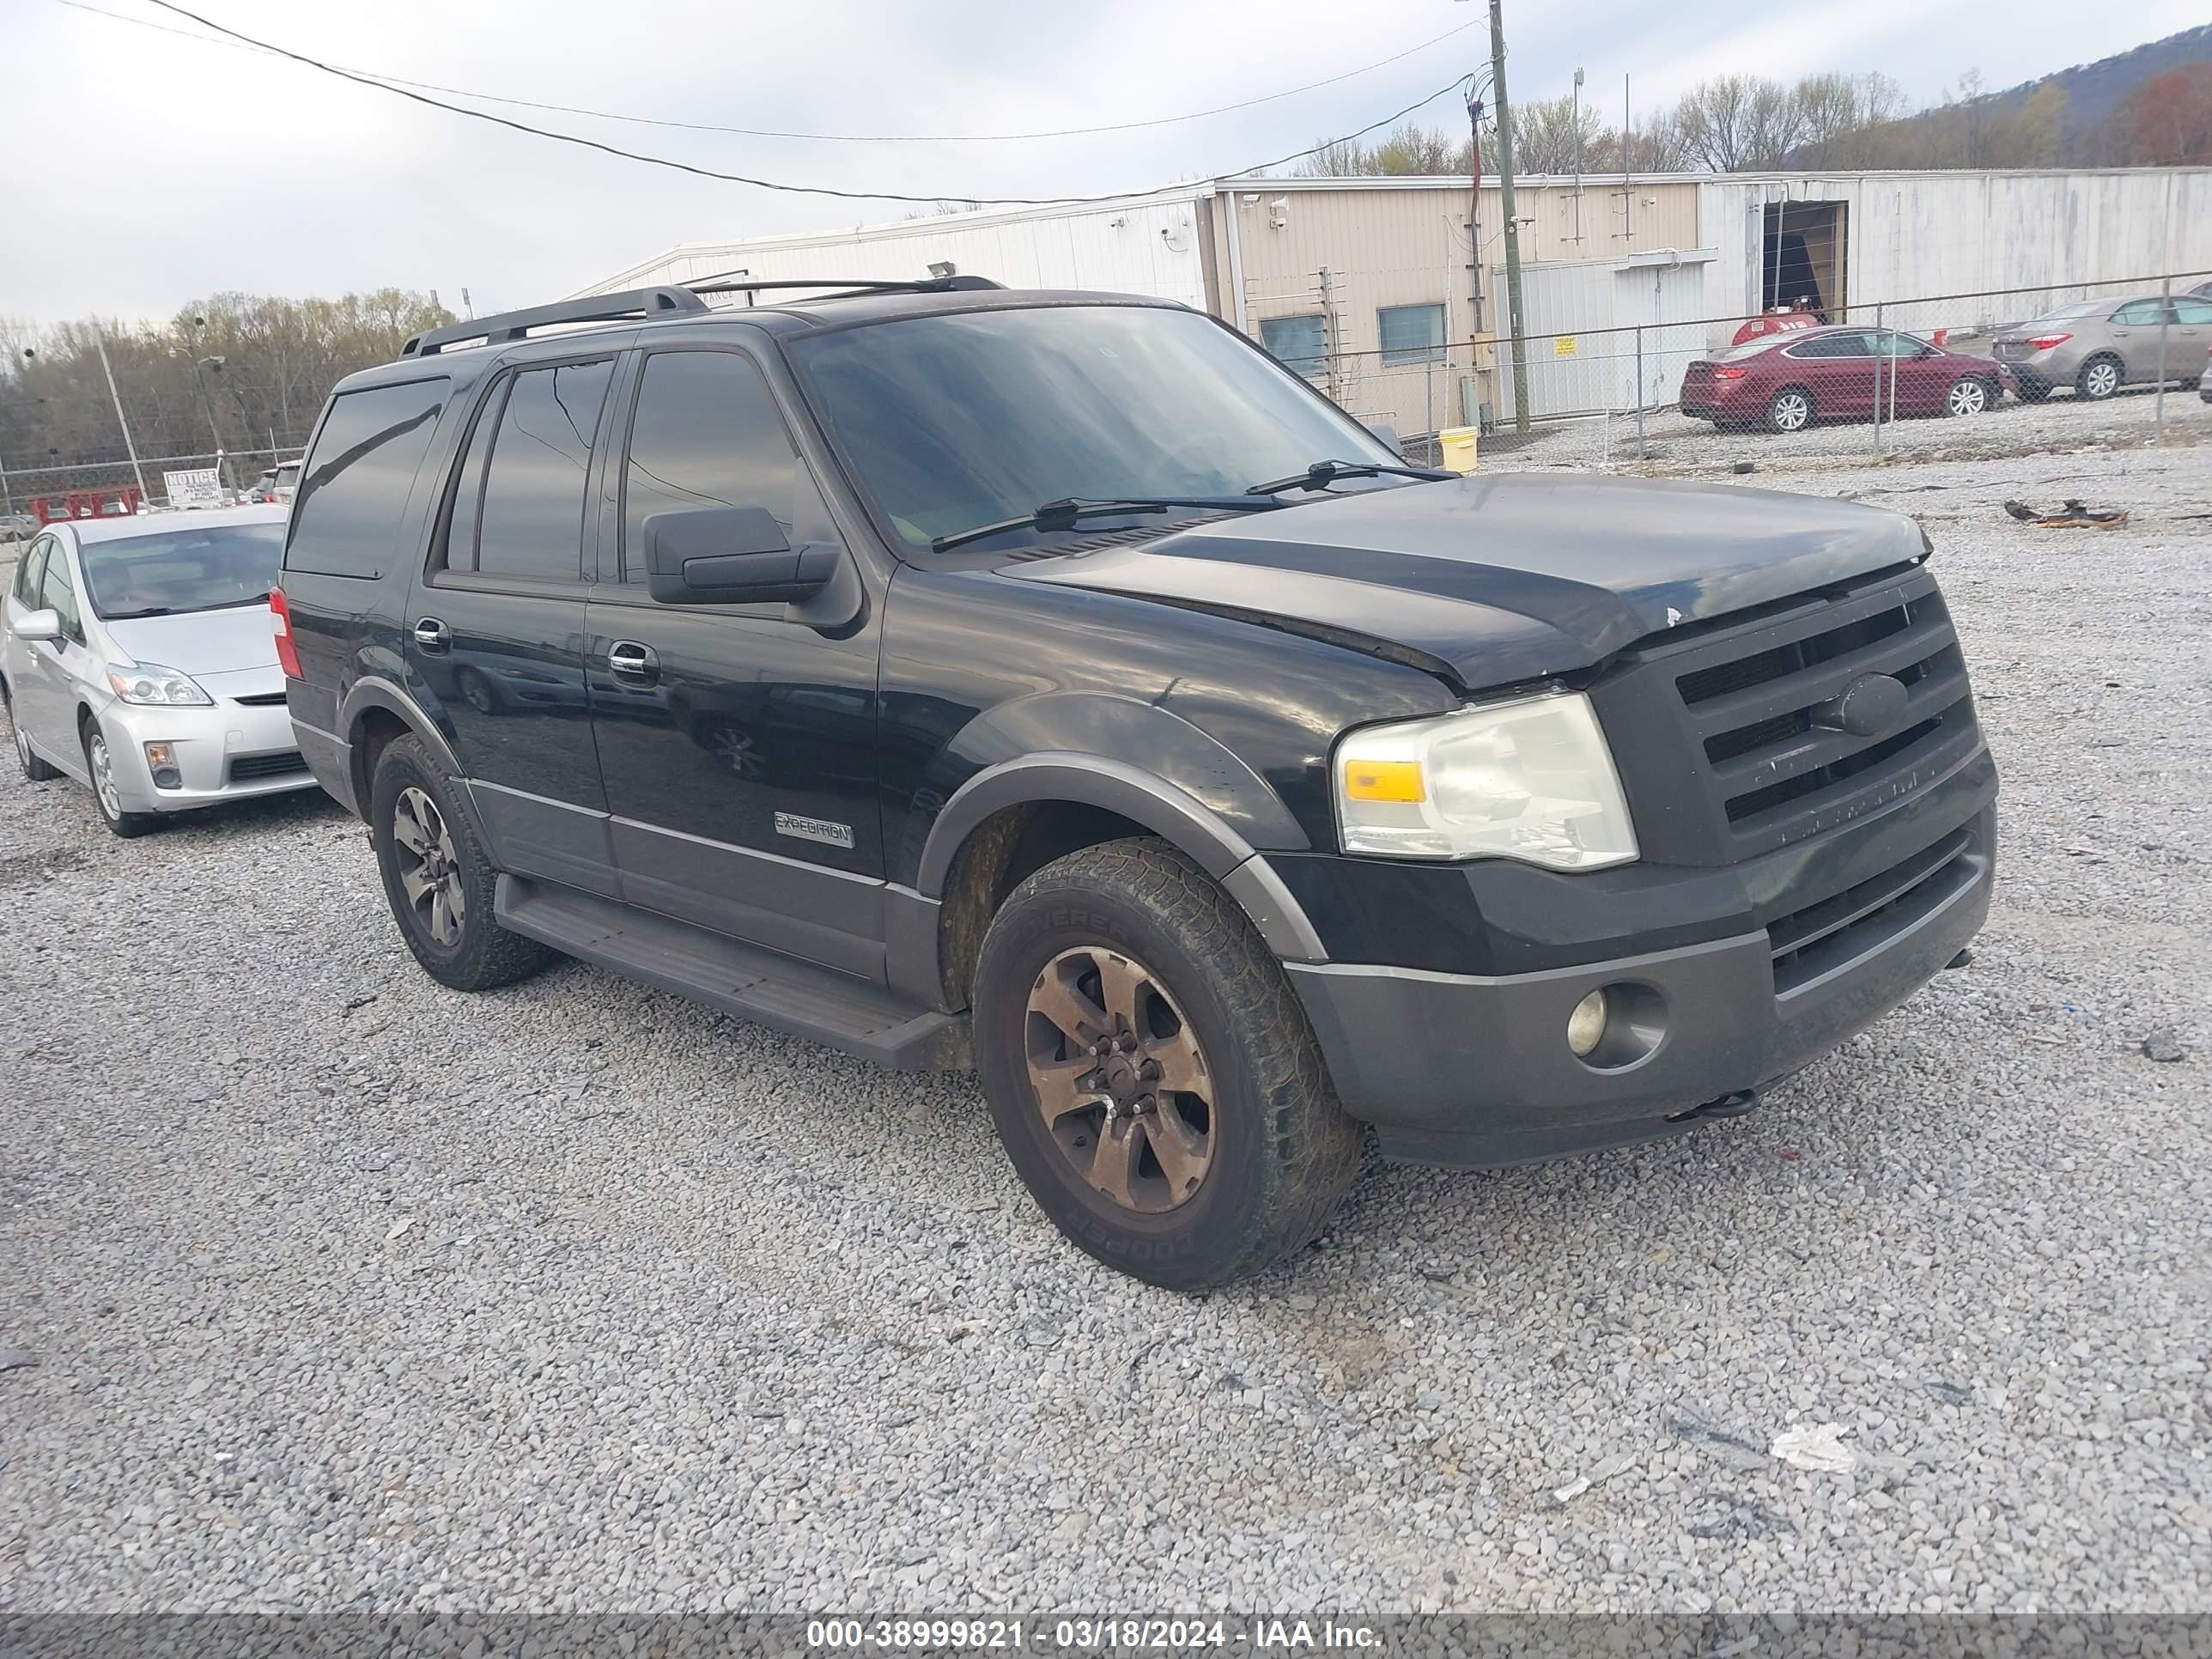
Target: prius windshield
965	419
188	566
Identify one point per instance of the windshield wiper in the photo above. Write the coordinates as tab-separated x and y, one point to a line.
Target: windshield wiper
1321	474
133	616
230	605
1062	515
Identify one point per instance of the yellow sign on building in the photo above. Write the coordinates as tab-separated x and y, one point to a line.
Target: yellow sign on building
1563	345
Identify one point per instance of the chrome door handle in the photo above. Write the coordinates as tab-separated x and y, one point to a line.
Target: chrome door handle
432	635
628	658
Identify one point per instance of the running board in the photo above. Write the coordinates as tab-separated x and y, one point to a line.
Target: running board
740	980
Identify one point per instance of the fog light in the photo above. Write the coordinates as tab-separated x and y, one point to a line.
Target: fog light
160	754
1586	1025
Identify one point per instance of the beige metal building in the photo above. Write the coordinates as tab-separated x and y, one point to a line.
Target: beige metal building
1389	292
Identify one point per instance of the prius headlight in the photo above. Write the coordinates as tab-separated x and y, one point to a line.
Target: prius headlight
1531	780
151	684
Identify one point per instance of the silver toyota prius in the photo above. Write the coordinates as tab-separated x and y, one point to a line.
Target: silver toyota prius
138	657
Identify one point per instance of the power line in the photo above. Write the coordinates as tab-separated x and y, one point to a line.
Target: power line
770	184
245	45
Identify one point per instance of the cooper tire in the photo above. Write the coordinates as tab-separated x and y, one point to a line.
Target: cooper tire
33	769
443	907
1278	1152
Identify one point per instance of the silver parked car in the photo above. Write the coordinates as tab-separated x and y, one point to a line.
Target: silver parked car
137	655
2098	346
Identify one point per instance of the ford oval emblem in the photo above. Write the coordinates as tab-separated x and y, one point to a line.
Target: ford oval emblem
1871	706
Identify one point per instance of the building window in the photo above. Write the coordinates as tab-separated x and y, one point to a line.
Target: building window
1410	334
1300	344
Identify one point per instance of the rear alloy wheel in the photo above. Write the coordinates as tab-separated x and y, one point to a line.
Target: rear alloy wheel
1151	1071
106	793
1790	410
2098	380
1968	397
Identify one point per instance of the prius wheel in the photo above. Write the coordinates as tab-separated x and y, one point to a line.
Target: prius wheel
1790	410
106	793
34	771
2098	380
1151	1071
436	877
1968	396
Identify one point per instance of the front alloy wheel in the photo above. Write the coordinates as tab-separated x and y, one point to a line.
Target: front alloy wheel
429	871
100	762
1124	1087
1968	397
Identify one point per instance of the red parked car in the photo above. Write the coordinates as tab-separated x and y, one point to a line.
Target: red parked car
1786	382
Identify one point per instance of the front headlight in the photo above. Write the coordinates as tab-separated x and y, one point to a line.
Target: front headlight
151	684
1530	780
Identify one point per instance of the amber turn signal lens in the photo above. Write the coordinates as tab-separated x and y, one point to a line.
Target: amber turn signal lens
1380	780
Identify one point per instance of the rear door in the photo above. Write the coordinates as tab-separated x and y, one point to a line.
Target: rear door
738	743
496	630
1838	369
2134	330
2190	335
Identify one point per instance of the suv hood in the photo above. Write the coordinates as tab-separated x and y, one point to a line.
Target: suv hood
1504	578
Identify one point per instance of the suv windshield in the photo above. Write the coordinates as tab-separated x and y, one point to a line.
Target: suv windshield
190	567
961	420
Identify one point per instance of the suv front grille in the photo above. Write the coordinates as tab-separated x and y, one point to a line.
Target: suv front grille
1769	759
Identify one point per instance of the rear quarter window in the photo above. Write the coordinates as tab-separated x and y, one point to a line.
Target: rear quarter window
355	482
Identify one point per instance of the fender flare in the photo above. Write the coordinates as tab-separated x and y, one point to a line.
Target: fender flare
1172	813
375	692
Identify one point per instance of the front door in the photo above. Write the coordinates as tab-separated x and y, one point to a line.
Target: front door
495	633
737	743
45	688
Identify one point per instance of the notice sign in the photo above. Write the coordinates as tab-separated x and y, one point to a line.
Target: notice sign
1563	345
201	487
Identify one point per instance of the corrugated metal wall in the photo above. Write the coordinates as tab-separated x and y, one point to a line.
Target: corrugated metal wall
1910	236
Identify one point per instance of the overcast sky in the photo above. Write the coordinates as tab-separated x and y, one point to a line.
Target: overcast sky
155	168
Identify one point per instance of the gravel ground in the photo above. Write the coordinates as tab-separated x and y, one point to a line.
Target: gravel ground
347	1292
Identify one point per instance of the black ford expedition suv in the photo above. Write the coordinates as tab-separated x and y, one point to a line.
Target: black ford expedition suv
1054	685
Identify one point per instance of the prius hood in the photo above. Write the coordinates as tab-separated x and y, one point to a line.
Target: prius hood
200	642
1504	578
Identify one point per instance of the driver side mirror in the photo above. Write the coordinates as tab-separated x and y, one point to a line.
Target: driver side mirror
731	556
39	625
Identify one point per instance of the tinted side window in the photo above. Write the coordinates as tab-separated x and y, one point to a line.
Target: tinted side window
2139	314
460	552
706	434
532	520
1851	344
57	593
354	487
2192	311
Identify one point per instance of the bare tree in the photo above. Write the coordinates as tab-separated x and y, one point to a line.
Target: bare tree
1544	134
1716	119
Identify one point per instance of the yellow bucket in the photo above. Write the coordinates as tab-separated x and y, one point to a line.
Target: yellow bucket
1457	444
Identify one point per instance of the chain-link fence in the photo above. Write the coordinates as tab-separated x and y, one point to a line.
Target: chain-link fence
1935	373
29	496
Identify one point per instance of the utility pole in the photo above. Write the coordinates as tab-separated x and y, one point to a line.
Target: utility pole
99	340
1512	225
1474	199
1578	163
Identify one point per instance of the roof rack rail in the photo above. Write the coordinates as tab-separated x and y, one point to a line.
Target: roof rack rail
848	286
510	325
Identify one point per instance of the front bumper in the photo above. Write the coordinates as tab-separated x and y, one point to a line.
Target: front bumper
1473	1070
229	751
